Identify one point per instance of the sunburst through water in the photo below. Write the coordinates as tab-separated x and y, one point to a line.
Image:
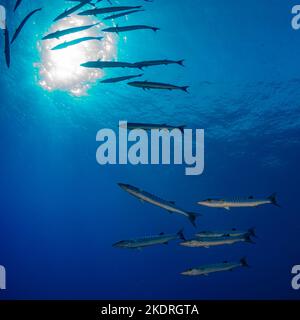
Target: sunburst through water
61	70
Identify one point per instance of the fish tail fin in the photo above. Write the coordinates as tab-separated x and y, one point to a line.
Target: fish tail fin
181	128
181	235
99	38
248	238
155	29
244	262
192	218
180	62
273	199
185	89
252	232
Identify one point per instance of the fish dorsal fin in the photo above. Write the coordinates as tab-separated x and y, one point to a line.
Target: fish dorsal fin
162	233
251	197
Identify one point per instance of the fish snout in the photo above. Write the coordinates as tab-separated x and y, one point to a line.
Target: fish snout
184	243
186	273
117	244
123	185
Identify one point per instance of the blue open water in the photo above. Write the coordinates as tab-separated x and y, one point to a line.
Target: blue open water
60	212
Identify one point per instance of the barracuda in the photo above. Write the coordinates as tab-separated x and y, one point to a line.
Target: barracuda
96	11
150	198
213	242
22	24
60	33
149	241
148	126
207	269
67	44
239	203
147	85
118	29
226	233
68	12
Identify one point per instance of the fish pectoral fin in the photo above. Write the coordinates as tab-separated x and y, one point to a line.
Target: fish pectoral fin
205	274
166	243
206	247
227	208
170	212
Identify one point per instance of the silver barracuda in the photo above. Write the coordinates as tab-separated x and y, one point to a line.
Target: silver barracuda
149	241
69	11
107	64
148	126
22	24
170	206
122	14
67	44
147	85
120	79
226	233
239	203
213	242
60	33
96	11
118	29
151	63
219	267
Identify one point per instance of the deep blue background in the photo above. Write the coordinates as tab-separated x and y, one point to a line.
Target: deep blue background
60	211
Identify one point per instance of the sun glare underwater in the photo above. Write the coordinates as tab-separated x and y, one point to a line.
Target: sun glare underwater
60	69
73	228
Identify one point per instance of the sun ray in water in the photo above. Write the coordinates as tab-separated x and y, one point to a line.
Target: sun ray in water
61	70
